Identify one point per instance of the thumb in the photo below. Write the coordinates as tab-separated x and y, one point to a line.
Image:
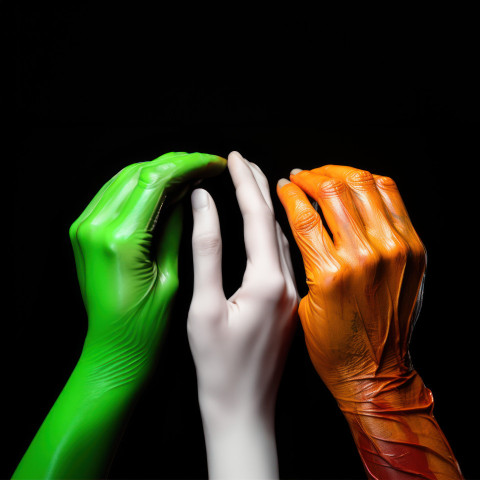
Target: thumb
167	254
208	291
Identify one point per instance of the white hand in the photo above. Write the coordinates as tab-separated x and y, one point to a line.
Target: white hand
239	345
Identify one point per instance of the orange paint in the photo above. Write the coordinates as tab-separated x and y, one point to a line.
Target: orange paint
365	277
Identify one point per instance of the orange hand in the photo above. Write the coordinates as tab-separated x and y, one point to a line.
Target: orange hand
365	281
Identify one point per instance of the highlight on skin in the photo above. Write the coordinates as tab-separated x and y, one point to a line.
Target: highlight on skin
127	287
365	276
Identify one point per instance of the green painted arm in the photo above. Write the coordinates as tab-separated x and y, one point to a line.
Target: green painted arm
127	292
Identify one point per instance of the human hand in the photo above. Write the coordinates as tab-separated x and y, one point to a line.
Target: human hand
365	291
126	288
239	345
364	282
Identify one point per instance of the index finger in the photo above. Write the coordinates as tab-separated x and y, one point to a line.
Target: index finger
156	178
315	244
259	222
181	167
368	201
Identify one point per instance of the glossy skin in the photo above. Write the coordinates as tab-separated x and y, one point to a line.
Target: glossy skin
239	345
127	288
365	280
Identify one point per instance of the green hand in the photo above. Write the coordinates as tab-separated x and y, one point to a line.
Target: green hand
127	291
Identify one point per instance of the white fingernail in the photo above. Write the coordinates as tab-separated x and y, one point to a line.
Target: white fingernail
199	199
239	155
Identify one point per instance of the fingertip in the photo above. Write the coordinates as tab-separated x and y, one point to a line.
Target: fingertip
200	200
297	175
234	154
184	168
235	159
215	163
282	186
219	159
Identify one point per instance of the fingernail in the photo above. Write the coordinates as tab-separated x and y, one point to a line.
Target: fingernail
199	199
238	154
295	171
282	182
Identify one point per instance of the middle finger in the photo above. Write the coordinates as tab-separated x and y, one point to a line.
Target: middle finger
367	200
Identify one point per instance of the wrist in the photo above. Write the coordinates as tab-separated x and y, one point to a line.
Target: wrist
392	424
78	436
227	413
387	392
125	370
241	445
224	422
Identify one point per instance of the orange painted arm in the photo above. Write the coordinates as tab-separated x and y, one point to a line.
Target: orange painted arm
365	266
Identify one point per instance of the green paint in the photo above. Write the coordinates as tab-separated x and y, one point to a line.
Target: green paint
127	291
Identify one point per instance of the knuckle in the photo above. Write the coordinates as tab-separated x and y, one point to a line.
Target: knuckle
305	219
272	288
72	232
419	251
172	282
386	183
332	187
418	254
111	243
108	241
334	277
397	252
83	233
149	175
130	169
368	260
360	179
207	244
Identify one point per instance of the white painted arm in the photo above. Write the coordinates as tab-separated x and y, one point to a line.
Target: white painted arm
239	345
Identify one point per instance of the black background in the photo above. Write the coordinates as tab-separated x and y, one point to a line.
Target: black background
390	92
